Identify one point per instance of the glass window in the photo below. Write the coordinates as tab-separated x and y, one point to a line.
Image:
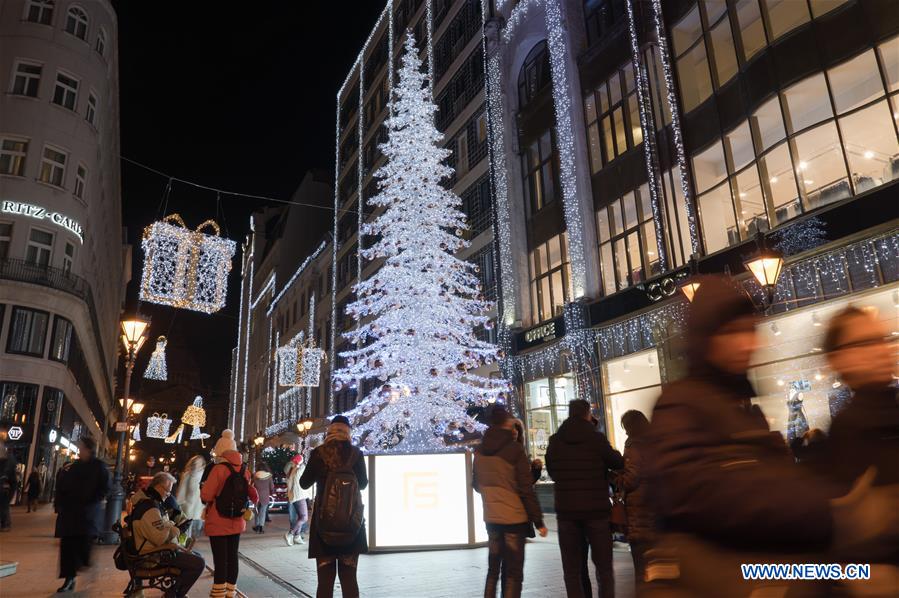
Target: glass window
76	22
634	119
27	79
534	74
779	182
549	290
752	29
767	124
628	247
889	56
608	269
784	16
40	245
820	7
91	114
595	151
723	49
856	82
540	176
686	31
27	331
738	147
65	92
61	340
709	167
620	134
602	224
613	117
749	202
821	170
12	156
658	87
694	78
807	103
100	46
714	10
635	258
621	262
5	239
40	11
69	258
871	147
717	218
650	249
53	167
80	181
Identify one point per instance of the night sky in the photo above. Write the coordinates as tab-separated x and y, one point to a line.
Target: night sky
241	99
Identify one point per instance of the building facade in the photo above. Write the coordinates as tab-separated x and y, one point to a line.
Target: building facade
631	136
63	263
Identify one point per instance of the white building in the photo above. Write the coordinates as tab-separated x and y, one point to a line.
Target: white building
63	264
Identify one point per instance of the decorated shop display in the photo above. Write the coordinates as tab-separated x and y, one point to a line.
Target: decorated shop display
797	423
184	268
158	426
156	369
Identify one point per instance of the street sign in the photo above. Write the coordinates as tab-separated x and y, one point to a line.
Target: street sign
15	433
121	426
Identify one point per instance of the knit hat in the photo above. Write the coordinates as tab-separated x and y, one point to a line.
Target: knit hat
225	443
340	419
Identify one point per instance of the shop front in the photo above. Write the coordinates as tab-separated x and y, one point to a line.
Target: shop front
630	382
546	407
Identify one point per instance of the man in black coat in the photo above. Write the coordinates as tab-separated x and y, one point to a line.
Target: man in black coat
578	459
7	485
81	487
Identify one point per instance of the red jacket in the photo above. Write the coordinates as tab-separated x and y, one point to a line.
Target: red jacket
216	525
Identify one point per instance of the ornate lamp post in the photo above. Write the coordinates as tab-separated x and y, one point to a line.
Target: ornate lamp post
303	428
134	334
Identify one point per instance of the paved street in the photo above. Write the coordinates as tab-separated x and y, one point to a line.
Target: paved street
281	570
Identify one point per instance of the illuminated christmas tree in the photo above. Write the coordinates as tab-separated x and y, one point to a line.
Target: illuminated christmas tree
415	341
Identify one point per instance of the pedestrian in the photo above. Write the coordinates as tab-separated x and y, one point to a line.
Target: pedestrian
726	490
227	493
579	459
154	530
631	482
188	494
33	490
81	486
336	539
536	470
297	509
150	467
264	488
502	475
7	485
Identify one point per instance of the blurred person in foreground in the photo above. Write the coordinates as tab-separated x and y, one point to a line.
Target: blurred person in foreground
579	459
502	476
188	494
631	481
727	490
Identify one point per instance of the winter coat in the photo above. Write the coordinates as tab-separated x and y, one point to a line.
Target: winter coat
578	459
502	475
863	434
151	525
34	486
188	494
8	479
316	472
217	525
640	516
715	470
295	491
265	487
80	488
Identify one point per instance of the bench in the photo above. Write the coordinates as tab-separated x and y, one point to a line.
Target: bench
145	571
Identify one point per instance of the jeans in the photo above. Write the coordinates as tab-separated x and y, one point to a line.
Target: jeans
575	538
261	511
505	560
298	513
224	557
74	554
191	565
329	567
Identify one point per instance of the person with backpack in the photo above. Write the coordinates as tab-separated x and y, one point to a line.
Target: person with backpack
337	534
227	494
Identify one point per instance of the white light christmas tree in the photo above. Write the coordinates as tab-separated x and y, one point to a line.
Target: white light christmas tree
156	369
418	313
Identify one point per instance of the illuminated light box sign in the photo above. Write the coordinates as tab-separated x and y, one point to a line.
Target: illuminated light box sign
422	502
39	213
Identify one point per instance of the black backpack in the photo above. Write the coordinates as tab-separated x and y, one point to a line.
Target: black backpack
339	511
232	501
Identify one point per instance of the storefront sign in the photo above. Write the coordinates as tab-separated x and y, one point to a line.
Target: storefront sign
39	213
664	287
541	334
15	433
52	436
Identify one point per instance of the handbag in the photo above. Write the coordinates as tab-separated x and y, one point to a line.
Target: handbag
618	519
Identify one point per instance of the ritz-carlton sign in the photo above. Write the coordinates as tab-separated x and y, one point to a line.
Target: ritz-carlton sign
39	213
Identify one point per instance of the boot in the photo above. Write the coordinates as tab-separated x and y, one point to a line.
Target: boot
230	590
217	591
68	586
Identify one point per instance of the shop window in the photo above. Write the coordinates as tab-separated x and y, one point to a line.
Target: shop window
546	403
779	180
27	331
767	124
820	168
709	167
694	78
871	147
40	246
613	117
550	275
725	56
17	401
806	103
889	57
856	82
784	16
627	241
716	211
751	26
540	167
61	341
632	382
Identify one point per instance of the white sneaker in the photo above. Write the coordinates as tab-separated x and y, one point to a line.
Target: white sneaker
298	539
289	538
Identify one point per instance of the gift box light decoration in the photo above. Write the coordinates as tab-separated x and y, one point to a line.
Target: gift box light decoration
158	426
195	415
184	268
156	369
300	363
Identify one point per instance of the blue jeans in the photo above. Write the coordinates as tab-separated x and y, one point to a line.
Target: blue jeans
261	511
505	560
298	513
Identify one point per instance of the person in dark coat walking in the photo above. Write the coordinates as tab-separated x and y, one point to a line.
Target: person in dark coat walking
33	490
337	452
81	487
726	489
640	516
7	485
578	459
501	474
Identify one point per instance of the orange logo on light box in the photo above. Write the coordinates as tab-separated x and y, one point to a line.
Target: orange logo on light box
420	490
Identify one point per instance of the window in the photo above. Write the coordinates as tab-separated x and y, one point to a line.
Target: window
76	22
66	92
855	83
613	118
550	274
12	156
540	167
27	331
80	181
716	212
784	16
91	114
40	245
69	258
53	167
692	61
871	147
100	46
61	341
27	79
751	27
5	240
627	241
534	75
725	56
40	11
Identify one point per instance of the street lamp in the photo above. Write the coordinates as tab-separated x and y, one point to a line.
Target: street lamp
765	266
259	440
691	283
134	334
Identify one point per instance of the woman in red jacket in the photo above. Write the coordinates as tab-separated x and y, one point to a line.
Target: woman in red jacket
224	532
